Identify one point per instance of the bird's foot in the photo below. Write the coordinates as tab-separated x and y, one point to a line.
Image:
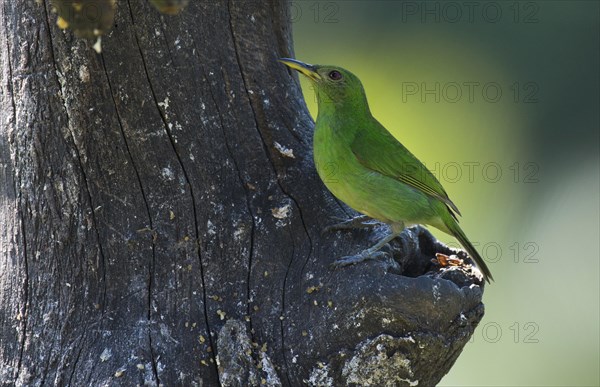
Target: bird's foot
361	221
363	256
368	254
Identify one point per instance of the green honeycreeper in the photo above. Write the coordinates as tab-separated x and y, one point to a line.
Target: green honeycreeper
367	168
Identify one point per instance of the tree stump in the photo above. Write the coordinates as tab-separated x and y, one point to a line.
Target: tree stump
161	217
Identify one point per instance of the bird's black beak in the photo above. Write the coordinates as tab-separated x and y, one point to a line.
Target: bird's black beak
309	70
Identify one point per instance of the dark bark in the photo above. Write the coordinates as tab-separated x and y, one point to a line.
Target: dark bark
150	221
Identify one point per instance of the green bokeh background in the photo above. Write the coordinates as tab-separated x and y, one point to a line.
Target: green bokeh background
522	166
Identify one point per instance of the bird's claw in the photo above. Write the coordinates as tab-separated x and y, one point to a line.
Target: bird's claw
358	258
361	221
328	229
339	219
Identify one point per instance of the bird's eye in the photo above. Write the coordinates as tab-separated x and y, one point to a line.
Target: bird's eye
335	75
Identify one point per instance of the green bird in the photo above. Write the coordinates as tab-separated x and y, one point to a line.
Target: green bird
367	168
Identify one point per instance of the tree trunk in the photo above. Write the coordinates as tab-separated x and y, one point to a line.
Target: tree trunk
160	217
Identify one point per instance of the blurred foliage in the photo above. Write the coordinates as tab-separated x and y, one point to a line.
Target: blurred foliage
93	18
87	18
500	100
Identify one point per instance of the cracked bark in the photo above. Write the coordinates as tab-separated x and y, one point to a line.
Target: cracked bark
148	223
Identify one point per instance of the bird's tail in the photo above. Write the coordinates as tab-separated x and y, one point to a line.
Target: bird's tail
458	233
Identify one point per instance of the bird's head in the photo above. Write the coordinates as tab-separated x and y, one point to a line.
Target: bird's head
333	85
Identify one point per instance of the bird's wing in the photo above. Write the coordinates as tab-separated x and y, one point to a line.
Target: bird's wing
376	149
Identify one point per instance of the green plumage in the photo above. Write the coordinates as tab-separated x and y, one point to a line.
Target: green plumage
363	165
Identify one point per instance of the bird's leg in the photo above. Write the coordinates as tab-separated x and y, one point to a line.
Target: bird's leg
360	221
370	253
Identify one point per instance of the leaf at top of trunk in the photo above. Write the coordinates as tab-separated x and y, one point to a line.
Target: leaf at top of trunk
87	18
